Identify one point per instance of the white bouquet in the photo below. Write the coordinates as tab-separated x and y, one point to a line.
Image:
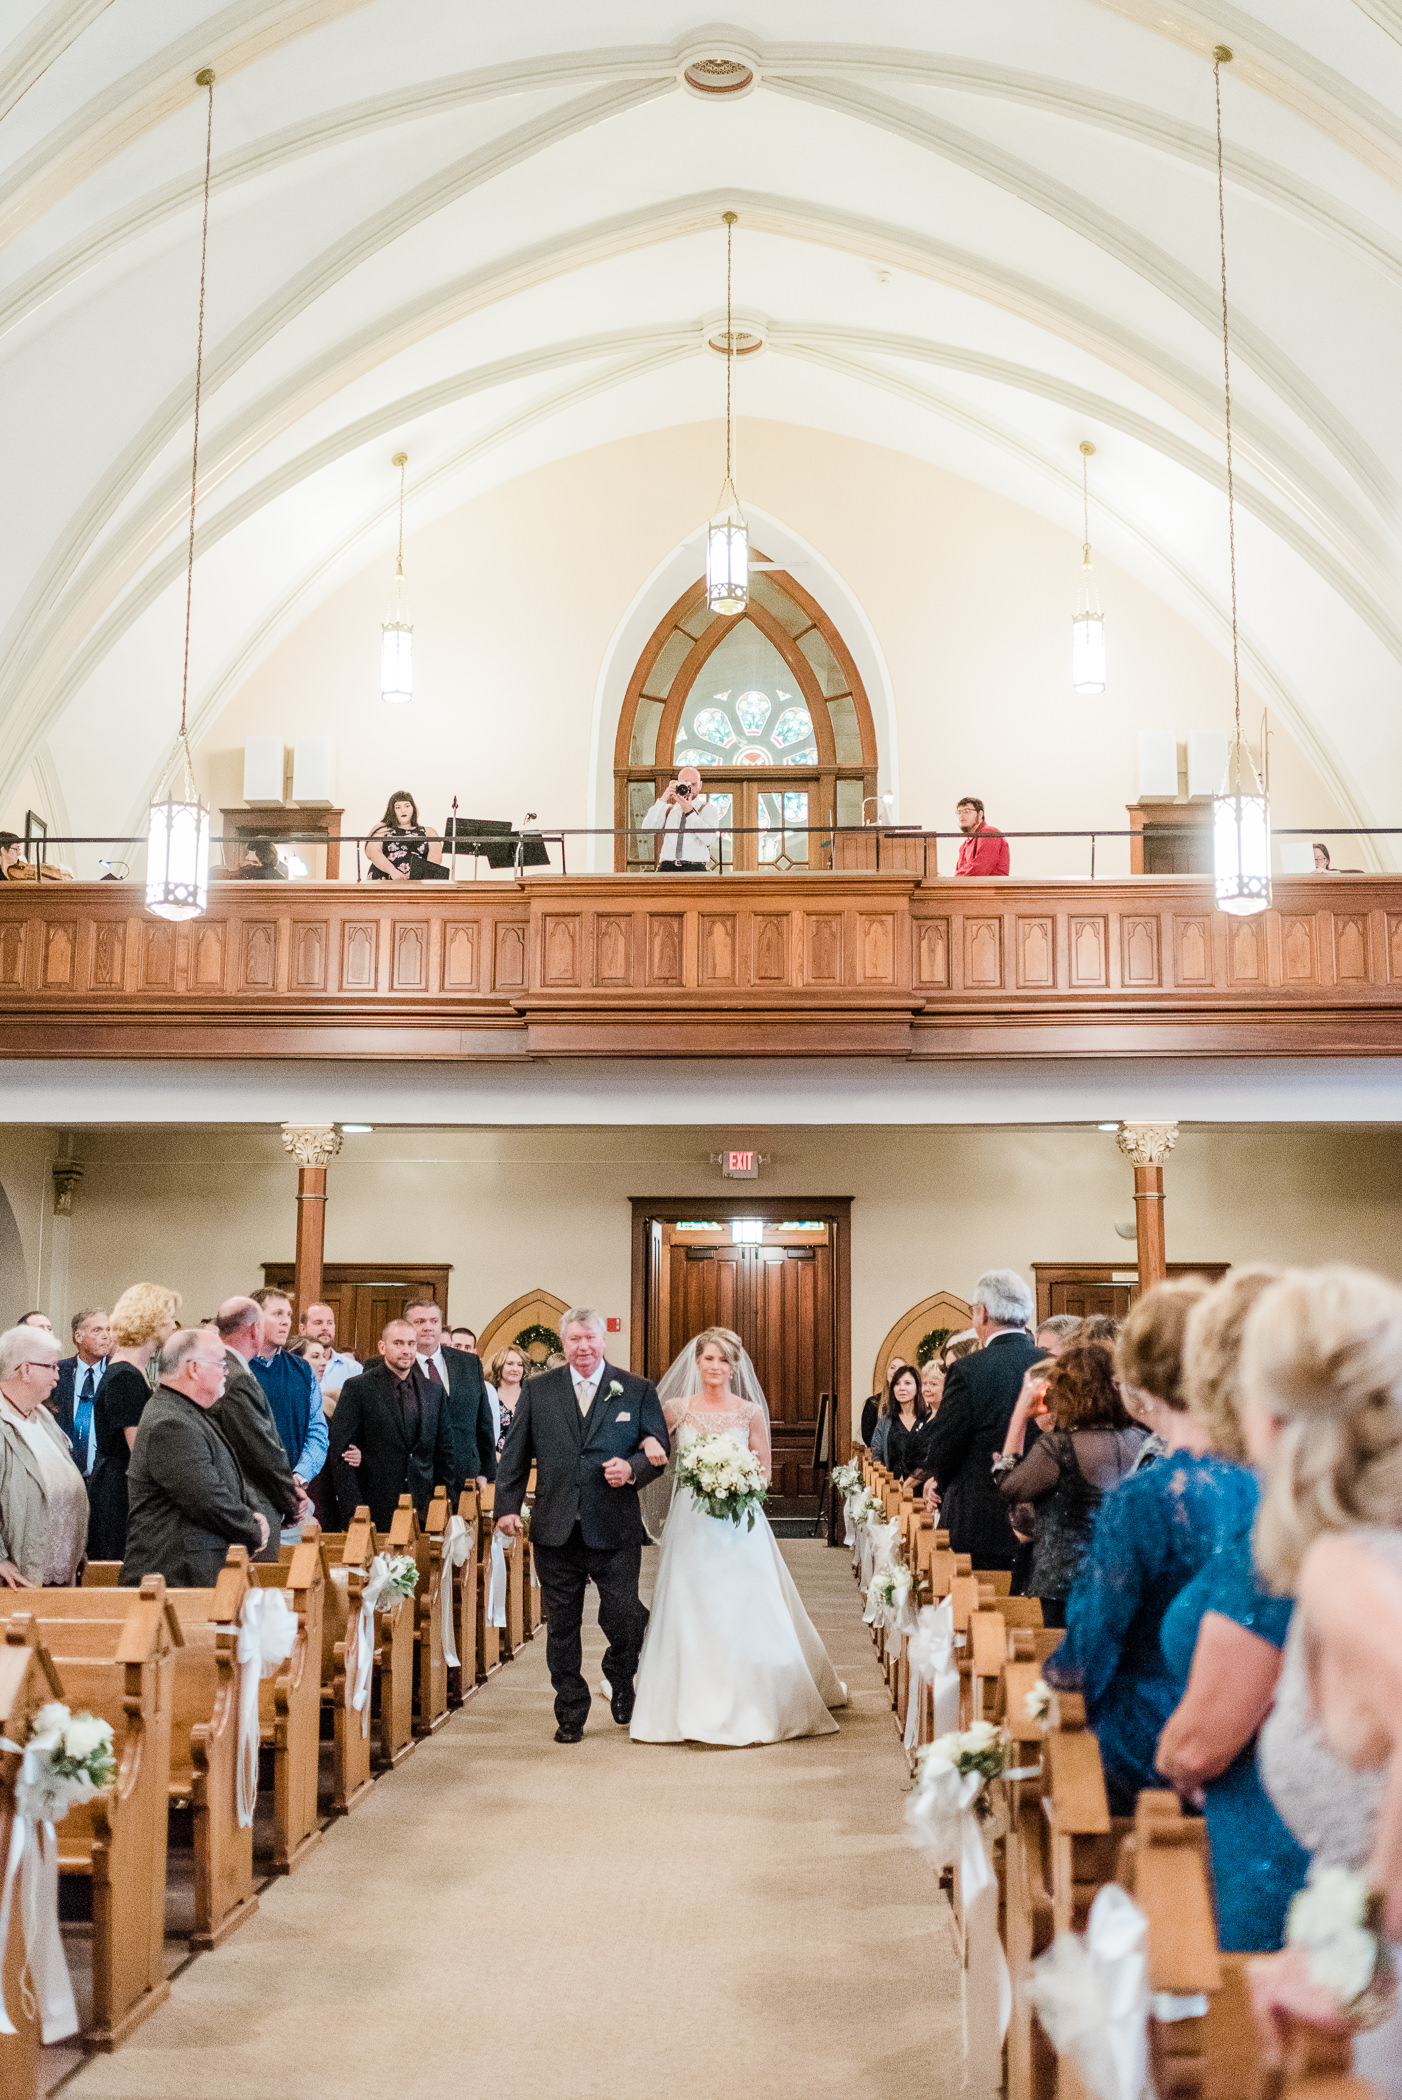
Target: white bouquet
1337	1919
393	1577
725	1478
951	1782
1037	1704
846	1479
863	1508
68	1759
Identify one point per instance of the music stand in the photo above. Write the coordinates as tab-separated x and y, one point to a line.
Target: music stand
486	838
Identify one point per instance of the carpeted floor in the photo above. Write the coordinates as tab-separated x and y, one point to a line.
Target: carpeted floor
508	1916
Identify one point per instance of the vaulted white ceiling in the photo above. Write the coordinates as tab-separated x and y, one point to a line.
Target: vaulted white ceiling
493	235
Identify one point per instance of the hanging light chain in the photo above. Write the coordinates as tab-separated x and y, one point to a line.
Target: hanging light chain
204	79
730	218
1222	56
400	460
1086	450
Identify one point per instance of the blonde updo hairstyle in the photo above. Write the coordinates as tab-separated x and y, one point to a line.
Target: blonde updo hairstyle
1323	1355
722	1338
145	1312
1149	1345
1212	1342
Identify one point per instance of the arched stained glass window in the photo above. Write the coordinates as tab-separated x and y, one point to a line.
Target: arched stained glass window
775	688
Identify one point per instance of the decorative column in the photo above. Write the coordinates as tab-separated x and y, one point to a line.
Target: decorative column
313	1146
1146	1146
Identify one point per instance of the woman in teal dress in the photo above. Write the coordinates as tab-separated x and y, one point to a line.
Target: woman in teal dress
1221	1637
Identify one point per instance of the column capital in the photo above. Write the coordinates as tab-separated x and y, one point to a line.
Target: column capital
312	1144
67	1174
1146	1144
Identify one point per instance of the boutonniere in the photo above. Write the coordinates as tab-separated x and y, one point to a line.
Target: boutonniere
614	1387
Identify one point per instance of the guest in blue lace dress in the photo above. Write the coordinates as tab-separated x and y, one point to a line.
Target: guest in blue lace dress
1223	1636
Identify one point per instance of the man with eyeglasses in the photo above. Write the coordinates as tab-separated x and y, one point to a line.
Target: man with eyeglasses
79	1377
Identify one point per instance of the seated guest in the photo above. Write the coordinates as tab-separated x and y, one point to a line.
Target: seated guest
1322	1415
319	1322
1154	1532
980	1393
984	851
261	864
189	1503
506	1375
242	1415
142	1318
1054	1332
79	1376
895	1441
400	848
871	1409
293	1394
43	1502
458	1376
11	862
391	1434
1086	1448
1222	1636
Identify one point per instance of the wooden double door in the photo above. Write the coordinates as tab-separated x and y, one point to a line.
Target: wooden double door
780	1298
364	1296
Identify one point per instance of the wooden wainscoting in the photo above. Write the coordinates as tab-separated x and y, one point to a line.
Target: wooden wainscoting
876	963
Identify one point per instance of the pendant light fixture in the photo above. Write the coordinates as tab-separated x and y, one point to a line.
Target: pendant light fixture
397	634
1241	817
728	536
177	830
1087	622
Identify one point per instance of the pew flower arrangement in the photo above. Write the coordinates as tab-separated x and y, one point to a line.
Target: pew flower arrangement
847	1479
888	1596
1337	1920
981	1748
68	1759
1037	1704
393	1577
725	1478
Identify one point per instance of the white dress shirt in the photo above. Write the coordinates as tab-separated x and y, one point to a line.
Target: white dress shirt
438	1364
692	844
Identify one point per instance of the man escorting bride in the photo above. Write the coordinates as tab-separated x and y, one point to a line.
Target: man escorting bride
730	1656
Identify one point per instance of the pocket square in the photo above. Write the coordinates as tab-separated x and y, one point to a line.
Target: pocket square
623	1417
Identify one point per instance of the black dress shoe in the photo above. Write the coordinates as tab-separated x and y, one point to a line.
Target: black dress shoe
621	1704
568	1733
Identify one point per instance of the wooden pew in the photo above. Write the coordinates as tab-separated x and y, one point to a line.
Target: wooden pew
289	1704
424	1546
392	1695
514	1631
346	1558
488	1640
462	1681
28	1680
121	1669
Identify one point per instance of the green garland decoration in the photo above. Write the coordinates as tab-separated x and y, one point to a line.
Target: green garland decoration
539	1337
931	1344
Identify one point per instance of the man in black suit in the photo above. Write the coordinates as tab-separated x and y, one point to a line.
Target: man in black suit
584	1427
390	1434
79	1377
980	1394
457	1373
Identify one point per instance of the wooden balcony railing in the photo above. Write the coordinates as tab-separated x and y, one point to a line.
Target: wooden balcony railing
841	963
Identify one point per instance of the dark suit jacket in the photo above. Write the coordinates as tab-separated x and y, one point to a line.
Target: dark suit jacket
245	1421
187	1498
570	1452
470	1419
368	1414
970	1424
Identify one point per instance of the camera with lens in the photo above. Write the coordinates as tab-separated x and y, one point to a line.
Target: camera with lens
684	789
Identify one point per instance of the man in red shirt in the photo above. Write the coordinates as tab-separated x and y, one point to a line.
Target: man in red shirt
984	851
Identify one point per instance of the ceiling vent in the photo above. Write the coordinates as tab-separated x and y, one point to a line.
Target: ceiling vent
718	74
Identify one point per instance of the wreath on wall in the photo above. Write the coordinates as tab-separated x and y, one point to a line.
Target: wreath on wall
539	1339
930	1345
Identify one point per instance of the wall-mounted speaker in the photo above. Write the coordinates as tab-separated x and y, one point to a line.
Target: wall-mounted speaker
263	762
311	771
1158	765
1207	762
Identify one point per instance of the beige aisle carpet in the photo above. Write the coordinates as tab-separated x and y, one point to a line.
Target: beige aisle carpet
510	1916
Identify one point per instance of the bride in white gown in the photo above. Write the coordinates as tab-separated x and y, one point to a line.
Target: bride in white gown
731	1656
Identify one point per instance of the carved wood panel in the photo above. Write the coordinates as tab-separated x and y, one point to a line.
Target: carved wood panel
409	968
613	948
60	954
460	955
1139	950
771	948
109	951
876	947
1394	947
983	955
1351	949
207	956
258	959
1088	945
1245	952
1036	953
158	957
822	947
1297	963
310	943
666	947
718	948
559	948
932	954
360	955
1192	951
12	944
510	971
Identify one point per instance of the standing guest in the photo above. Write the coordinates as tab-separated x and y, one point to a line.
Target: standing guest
1053	1333
392	1433
508	1372
458	1377
932	1385
980	1393
315	1355
292	1391
1097	1327
318	1323
463	1338
984	850
40	1320
689	828
142	1318
871	1408
895	1441
1087	1448
79	1377
400	848
189	1502
244	1419
43	1502
958	1346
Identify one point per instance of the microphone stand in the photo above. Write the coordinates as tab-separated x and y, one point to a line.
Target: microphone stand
454	855
529	818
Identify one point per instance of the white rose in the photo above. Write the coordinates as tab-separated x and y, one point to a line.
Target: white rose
1343	1965
84	1734
1335	1898
50	1720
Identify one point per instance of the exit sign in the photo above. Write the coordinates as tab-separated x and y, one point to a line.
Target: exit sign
740	1166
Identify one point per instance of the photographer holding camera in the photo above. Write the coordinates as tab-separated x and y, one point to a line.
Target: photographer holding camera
687	825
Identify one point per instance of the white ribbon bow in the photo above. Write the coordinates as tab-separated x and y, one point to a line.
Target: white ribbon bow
1092	1996
457	1544
496	1588
931	1654
267	1635
943	1823
34	1857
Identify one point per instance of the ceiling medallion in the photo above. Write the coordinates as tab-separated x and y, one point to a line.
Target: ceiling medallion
717	72
748	335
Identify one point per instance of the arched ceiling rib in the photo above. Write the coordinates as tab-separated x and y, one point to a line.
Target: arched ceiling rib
303	379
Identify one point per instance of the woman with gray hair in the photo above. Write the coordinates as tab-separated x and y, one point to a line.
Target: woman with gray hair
43	1502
